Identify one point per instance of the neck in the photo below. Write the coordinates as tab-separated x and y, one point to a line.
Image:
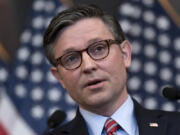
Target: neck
111	107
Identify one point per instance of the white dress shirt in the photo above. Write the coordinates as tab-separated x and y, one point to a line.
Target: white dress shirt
124	116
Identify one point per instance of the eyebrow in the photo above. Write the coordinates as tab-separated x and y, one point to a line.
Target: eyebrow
94	40
91	41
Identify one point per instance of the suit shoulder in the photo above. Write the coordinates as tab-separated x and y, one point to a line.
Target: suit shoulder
169	115
62	129
73	127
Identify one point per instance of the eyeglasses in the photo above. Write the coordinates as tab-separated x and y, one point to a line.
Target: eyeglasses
97	51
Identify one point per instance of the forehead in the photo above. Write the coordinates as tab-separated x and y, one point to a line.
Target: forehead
80	34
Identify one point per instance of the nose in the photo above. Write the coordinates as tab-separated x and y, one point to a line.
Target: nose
88	64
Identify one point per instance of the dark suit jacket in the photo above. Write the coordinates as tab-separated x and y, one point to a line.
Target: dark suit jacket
150	122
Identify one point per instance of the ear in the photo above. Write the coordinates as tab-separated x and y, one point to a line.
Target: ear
57	75
126	52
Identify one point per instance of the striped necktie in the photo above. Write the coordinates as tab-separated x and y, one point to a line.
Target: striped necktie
111	126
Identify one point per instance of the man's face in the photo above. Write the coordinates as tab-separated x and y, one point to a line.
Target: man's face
96	84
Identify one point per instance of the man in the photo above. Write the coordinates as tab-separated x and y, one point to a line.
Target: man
90	56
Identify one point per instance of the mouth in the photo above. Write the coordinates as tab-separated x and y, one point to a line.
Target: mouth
94	84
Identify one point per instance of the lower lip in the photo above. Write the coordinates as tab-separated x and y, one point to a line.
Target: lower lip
95	86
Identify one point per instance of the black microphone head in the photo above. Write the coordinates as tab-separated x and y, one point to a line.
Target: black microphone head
170	93
56	118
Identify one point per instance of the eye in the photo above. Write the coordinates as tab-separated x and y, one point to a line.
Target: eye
70	59
98	49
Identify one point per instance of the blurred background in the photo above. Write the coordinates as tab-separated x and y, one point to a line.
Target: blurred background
29	94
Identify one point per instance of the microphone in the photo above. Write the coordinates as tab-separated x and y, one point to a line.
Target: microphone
54	120
171	93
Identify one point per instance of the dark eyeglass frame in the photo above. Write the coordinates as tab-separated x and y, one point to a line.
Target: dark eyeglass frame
108	43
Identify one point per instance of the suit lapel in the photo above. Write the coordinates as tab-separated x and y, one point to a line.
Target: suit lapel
77	127
149	122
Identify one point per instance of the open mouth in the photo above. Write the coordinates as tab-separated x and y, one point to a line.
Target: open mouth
93	83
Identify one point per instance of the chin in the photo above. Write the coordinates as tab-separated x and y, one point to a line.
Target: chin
97	103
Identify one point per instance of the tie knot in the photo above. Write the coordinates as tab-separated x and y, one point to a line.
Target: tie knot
110	126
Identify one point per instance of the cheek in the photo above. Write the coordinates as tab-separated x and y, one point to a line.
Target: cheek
113	63
114	66
72	85
70	79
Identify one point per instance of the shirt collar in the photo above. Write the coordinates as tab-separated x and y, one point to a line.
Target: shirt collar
124	116
95	122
